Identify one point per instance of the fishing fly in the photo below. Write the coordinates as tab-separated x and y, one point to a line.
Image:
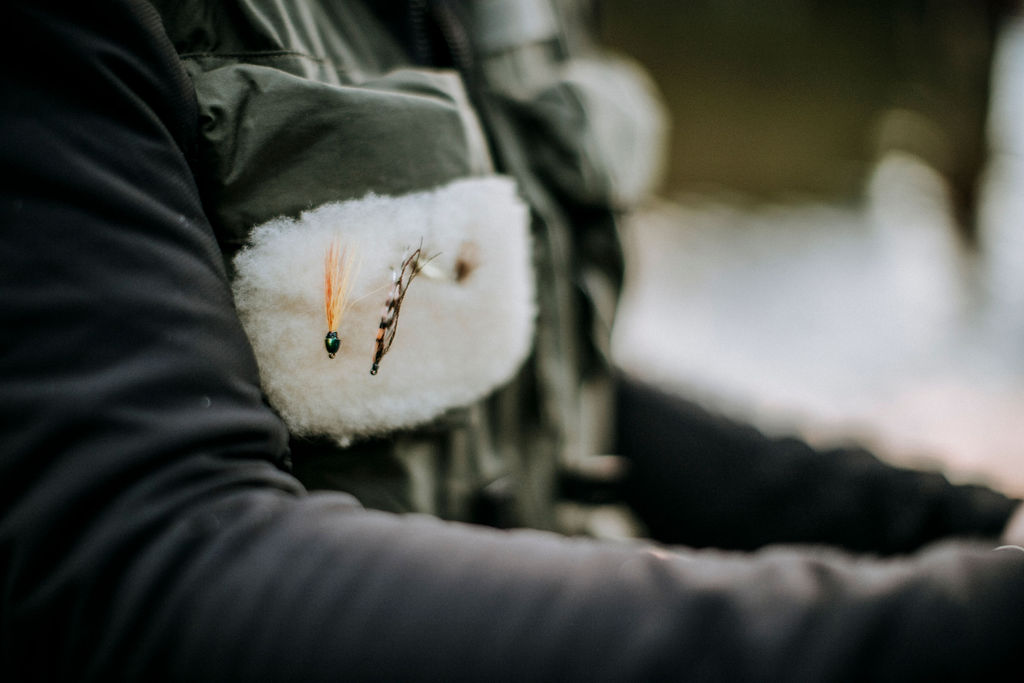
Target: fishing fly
400	281
338	276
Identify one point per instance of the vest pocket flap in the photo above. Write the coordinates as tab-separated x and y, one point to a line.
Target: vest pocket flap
440	280
274	143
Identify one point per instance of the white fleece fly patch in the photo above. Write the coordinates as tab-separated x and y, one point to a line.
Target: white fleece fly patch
465	325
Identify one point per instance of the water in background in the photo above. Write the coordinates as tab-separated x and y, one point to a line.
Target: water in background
861	322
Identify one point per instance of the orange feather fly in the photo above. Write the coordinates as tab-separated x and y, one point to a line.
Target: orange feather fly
338	267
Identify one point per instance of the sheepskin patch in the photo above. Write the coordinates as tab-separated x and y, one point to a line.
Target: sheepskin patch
464	326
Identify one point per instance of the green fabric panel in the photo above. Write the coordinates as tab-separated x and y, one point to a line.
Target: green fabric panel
557	127
333	37
274	144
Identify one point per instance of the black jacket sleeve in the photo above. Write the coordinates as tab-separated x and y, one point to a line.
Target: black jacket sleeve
146	534
701	479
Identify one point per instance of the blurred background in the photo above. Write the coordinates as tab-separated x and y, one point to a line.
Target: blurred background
839	246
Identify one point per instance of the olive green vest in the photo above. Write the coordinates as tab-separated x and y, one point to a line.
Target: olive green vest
306	103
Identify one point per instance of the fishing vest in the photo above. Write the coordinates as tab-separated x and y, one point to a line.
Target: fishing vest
438	182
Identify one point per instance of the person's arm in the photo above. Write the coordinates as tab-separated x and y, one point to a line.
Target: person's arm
703	480
145	533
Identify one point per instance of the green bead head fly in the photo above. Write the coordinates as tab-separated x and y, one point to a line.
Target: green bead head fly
338	277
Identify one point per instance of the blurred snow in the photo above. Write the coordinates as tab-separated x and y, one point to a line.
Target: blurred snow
864	323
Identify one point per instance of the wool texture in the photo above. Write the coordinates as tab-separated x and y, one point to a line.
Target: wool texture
465	325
